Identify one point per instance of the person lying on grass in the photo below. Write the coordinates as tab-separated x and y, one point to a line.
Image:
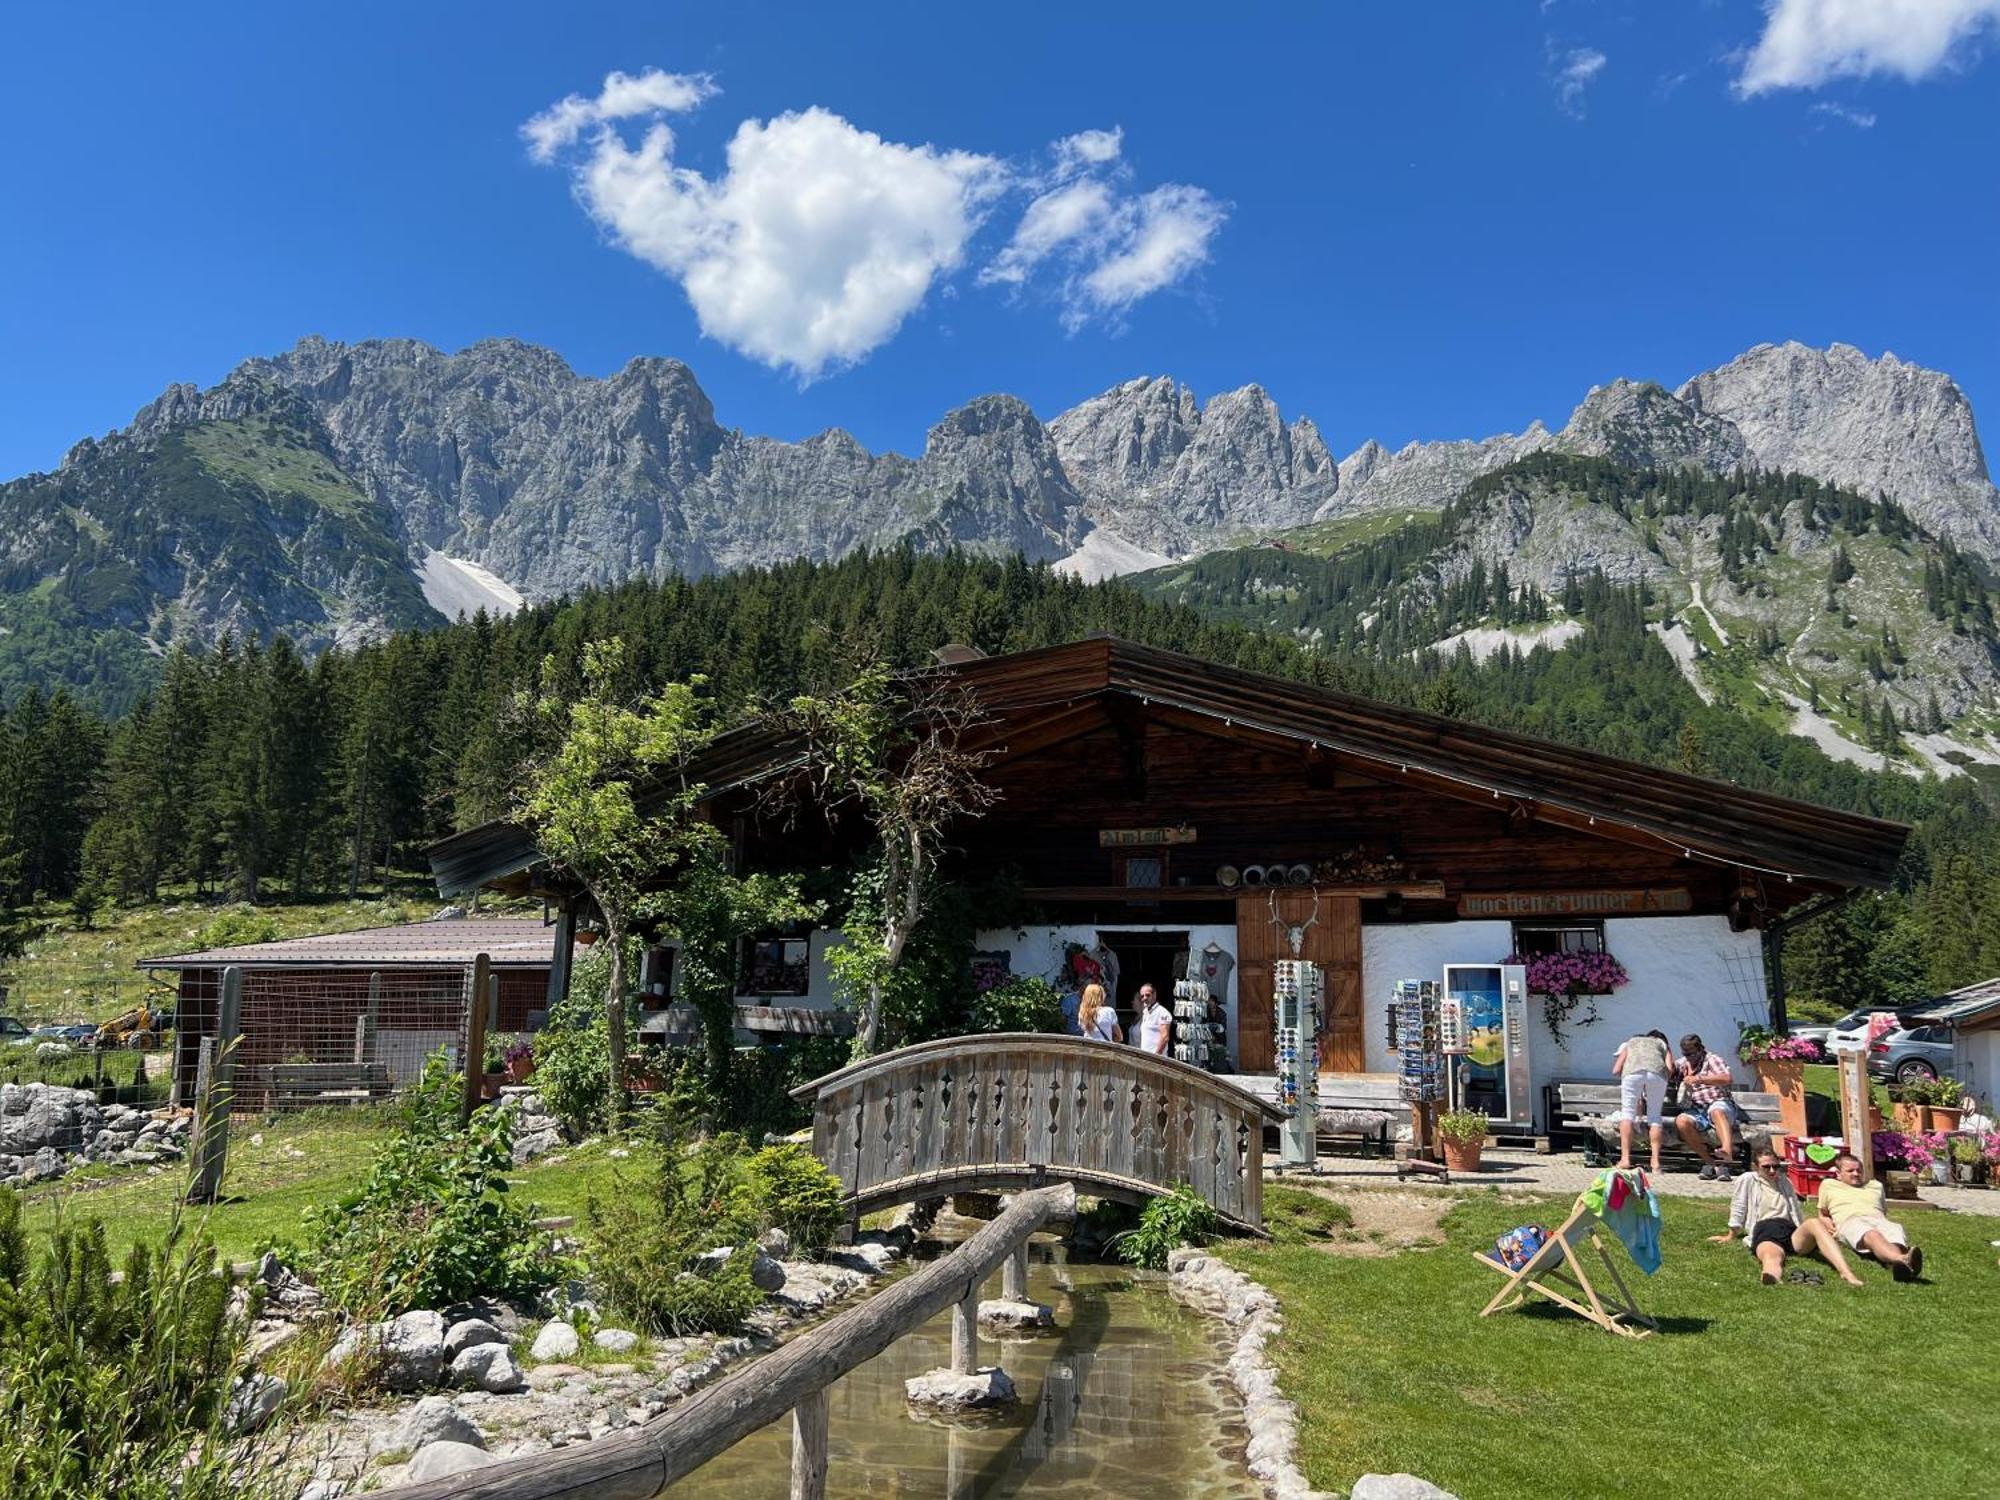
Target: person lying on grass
1858	1215
1765	1211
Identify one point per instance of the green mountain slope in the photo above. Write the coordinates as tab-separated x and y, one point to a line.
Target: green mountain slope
239	521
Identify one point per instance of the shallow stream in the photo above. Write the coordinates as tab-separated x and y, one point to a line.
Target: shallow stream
1124	1400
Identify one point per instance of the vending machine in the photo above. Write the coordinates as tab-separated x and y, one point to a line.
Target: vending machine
1299	997
1483	1022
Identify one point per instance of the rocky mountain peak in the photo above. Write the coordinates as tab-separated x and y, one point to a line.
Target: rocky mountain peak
1638	424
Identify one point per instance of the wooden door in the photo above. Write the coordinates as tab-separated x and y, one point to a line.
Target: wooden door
1333	941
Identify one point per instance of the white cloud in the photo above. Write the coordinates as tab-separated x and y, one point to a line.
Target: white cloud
1053	220
818	239
1860	119
623	97
1158	240
1087	149
1806	43
1573	72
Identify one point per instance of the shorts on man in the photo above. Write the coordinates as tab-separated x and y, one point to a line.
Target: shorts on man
1703	1115
1857	1227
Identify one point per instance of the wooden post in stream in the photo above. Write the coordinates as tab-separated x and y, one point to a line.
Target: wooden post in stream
809	1423
965	1334
1014	1275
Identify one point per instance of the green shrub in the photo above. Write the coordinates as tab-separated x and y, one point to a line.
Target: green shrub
759	1099
789	1188
237	926
118	1388
433	1223
573	1059
646	1238
1167	1223
1020	1003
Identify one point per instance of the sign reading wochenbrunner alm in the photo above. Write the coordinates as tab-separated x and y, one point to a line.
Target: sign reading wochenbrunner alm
1574	903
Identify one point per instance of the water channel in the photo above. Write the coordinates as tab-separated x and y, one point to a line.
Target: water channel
1123	1400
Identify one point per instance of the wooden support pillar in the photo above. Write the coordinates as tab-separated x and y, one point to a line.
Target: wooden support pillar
472	1056
809	1424
215	1093
1014	1274
365	1024
565	947
965	1334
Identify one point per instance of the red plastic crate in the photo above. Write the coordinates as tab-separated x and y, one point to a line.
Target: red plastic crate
1805	1174
1806	1180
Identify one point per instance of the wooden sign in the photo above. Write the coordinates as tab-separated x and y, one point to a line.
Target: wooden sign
1140	838
1575	903
1856	1108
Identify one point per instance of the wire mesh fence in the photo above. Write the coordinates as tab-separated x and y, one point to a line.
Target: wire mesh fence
315	1038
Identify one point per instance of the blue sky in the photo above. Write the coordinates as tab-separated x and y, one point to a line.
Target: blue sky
1403	220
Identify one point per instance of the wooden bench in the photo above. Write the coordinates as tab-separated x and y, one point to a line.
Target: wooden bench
1364	1106
1586	1112
306	1085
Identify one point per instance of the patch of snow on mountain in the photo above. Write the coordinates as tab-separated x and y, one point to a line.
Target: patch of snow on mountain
1103	556
1483	640
454	587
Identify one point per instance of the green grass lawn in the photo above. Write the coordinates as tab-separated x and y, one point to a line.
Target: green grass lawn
1812	1390
278	1170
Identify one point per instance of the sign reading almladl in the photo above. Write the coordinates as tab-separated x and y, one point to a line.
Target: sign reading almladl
1143	838
1575	903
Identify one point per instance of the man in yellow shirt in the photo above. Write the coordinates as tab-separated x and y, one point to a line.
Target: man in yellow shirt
1856	1211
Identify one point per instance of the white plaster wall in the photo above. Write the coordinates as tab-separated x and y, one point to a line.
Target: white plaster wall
1975	1062
1038	951
1688	974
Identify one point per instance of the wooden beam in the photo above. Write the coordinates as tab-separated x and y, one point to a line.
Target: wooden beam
472	1057
965	1333
1409	890
640	1462
809	1421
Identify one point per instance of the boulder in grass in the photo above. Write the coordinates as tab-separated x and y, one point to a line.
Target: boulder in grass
412	1351
767	1273
557	1340
616	1340
488	1367
467	1333
253	1401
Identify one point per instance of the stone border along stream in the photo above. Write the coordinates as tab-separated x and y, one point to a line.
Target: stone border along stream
1250	1313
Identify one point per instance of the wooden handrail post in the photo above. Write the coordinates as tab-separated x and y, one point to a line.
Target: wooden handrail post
477	988
965	1334
216	1093
1014	1275
809	1423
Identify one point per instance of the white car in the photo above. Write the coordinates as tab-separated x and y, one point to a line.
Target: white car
1852	1032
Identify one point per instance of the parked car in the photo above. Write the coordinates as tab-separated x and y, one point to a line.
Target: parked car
1854	1029
1911	1053
12	1030
1809	1031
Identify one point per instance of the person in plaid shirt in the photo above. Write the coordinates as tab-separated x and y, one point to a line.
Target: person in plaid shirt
1706	1077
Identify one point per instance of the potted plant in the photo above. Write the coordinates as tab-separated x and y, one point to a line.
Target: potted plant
520	1060
1968	1160
1946	1101
1900	1160
1780	1064
1462	1133
1909	1106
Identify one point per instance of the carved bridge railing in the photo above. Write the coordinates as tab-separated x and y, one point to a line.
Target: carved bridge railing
1015	1110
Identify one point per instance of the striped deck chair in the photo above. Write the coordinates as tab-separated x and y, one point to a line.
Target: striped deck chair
1560	1261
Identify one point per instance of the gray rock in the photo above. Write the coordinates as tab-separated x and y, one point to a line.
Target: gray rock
557	1340
775	1242
1396	1487
285	1290
253	1401
488	1367
616	1340
767	1274
948	1393
868	1257
435	1420
324	1489
412	1351
1005	1313
441	1460
464	1334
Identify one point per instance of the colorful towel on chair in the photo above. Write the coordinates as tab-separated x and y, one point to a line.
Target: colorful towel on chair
1623	1199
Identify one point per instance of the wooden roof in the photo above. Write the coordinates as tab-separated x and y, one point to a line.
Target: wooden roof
1039	698
511	943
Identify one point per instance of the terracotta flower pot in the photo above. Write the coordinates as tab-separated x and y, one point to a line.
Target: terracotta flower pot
1786	1079
1462	1156
519	1068
1944	1119
1912	1119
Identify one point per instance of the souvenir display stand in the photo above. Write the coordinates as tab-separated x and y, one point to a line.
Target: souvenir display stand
1299	998
1200	1036
1416	1037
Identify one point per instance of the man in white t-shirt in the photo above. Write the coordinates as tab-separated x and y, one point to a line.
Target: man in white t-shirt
1156	1022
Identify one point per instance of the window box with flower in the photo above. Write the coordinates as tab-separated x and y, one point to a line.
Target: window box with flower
1569	982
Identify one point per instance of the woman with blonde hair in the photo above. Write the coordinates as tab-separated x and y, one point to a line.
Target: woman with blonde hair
1099	1020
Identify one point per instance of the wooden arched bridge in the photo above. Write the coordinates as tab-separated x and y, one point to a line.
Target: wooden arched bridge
1018	1110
